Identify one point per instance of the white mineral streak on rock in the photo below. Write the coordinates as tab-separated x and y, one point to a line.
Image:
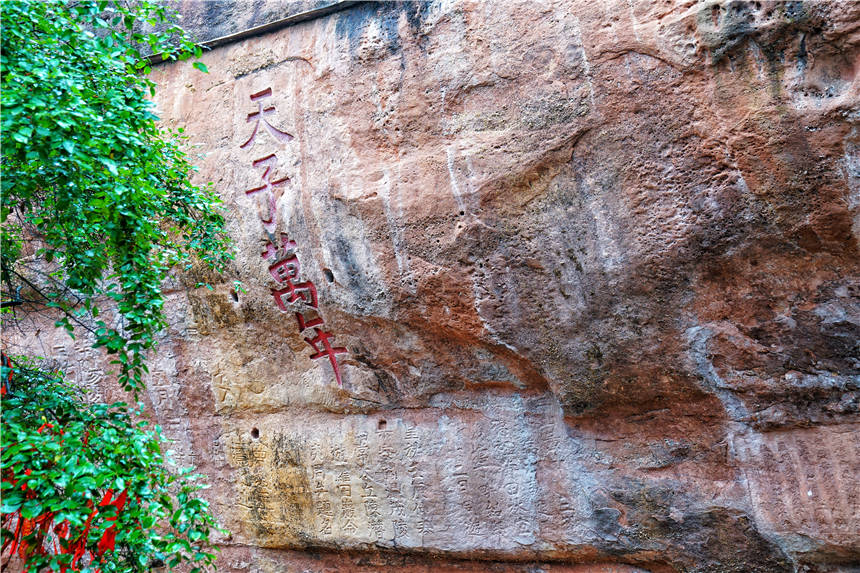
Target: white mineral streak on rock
455	188
577	37
390	194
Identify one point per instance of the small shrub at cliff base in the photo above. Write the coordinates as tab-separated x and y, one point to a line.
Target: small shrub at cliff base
85	487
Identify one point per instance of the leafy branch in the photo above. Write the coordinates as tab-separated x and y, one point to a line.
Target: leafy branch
87	169
97	207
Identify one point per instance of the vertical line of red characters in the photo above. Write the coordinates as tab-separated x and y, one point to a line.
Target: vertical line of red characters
280	250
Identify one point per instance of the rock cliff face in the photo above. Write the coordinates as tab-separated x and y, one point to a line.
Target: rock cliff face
587	271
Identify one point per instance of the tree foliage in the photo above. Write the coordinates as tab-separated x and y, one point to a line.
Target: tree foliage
86	487
97	208
87	171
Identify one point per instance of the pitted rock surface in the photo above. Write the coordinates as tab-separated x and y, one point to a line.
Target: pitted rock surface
594	267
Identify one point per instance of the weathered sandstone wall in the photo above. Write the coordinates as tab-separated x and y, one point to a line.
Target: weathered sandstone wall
593	266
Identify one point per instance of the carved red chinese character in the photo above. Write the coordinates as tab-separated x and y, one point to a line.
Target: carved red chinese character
257	118
285	270
300	318
270	197
305	292
269	162
322	338
278	251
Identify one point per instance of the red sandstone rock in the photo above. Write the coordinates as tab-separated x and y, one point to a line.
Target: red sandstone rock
595	266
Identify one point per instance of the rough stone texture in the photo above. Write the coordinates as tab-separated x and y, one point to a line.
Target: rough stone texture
596	268
207	20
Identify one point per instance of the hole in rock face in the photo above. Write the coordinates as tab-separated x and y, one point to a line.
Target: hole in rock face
382	424
462	213
234	295
329	276
255	433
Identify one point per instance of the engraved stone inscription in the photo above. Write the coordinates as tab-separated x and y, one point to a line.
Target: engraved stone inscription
805	480
395	482
285	267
